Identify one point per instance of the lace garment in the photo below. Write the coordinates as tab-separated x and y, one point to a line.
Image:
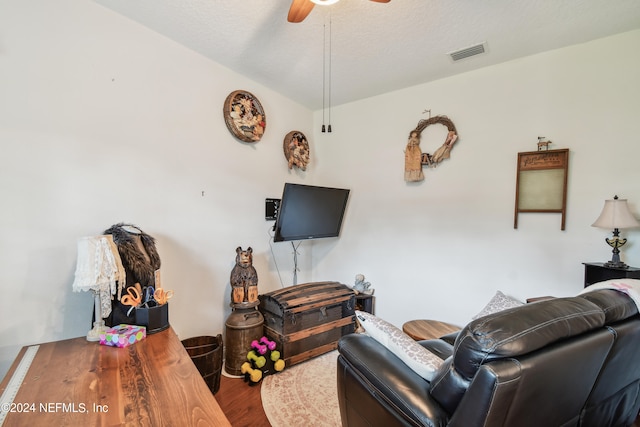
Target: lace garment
99	269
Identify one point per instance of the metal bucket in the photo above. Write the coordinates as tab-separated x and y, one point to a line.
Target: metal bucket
242	326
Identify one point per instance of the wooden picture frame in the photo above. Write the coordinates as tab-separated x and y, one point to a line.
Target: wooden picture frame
541	183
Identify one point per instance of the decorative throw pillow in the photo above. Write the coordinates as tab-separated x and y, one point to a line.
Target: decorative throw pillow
498	303
416	357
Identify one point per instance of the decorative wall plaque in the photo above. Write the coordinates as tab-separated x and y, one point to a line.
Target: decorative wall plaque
244	116
415	159
541	183
296	150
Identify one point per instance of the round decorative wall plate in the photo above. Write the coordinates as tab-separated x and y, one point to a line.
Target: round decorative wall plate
296	149
244	116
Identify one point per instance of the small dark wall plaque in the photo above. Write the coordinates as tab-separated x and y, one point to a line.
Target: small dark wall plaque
541	183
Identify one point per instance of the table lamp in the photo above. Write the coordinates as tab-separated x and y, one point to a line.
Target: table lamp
98	269
616	215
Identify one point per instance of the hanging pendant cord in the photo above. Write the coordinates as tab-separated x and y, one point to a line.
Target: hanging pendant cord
330	71
324	59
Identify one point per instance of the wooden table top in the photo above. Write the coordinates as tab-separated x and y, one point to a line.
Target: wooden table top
424	329
150	383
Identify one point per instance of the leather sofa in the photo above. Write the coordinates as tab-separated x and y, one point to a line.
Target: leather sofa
571	361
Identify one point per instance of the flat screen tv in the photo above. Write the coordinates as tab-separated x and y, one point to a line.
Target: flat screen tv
310	212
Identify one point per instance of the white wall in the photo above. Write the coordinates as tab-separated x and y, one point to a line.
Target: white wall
102	121
441	248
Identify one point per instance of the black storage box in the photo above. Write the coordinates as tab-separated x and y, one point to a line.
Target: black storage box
155	319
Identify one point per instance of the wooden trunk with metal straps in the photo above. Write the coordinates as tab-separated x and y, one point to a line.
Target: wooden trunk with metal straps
307	320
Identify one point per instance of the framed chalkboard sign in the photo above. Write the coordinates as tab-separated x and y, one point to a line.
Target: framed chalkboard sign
541	183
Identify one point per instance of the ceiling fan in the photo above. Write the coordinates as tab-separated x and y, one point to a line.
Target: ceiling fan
301	8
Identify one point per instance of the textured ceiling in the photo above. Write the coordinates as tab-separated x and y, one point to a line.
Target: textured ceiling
375	47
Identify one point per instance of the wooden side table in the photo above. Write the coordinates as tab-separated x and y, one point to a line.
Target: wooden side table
364	302
595	272
424	329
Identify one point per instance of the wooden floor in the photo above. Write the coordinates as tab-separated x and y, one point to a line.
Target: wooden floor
241	403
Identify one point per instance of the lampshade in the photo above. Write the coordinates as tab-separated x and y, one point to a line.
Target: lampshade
98	269
325	2
616	214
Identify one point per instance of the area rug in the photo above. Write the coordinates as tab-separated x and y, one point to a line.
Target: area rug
303	395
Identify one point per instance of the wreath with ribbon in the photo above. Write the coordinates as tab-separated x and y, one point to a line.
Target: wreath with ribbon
416	159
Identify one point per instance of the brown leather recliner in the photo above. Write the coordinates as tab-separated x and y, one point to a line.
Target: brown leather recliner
560	362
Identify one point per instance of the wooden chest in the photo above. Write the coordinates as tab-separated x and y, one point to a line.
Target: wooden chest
308	320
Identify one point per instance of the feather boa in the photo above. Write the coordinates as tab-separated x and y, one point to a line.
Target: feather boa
139	269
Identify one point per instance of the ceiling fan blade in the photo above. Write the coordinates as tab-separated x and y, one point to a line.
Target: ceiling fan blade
299	10
381	1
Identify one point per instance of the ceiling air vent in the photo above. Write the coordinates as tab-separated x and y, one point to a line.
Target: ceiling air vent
468	51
